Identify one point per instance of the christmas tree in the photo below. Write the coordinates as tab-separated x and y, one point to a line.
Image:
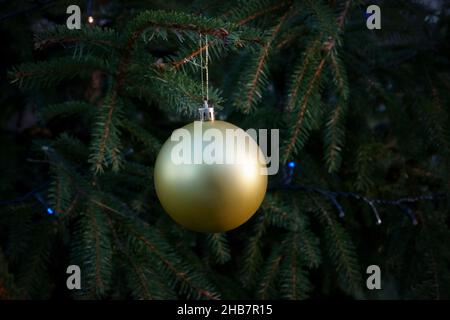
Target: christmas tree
364	147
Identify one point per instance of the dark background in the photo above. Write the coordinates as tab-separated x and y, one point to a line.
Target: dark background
396	147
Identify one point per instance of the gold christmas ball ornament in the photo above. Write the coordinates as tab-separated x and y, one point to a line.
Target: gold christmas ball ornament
206	181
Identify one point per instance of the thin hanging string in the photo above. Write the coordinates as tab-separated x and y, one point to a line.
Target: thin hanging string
201	65
206	68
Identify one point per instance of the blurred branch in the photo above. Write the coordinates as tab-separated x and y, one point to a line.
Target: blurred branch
37	6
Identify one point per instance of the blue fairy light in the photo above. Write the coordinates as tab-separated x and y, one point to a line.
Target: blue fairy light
50	211
291	164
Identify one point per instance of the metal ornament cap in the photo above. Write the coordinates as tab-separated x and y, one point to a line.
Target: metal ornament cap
206	113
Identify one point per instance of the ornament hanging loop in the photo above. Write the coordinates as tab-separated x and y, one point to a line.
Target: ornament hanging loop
207	112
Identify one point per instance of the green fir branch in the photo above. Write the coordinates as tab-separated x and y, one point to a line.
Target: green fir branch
92	251
255	80
220	248
49	73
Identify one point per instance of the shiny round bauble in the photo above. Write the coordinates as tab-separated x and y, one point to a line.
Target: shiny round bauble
210	196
